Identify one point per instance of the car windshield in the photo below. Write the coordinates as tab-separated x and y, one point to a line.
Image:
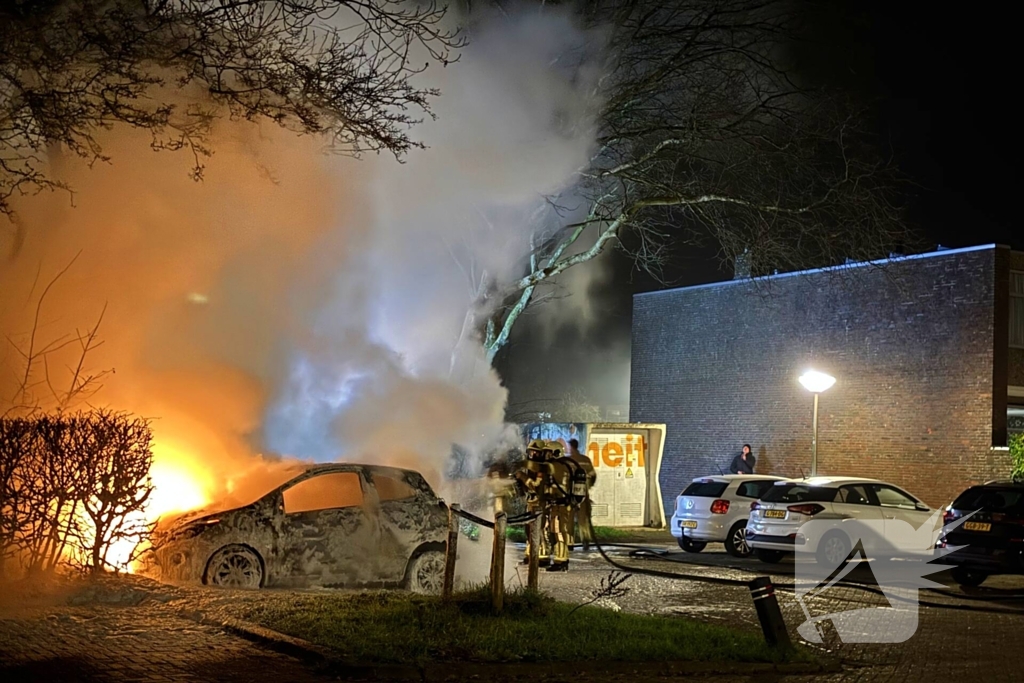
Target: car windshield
799	493
706	489
991	499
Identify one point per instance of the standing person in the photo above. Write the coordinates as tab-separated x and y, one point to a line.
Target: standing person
532	483
581	513
744	462
560	515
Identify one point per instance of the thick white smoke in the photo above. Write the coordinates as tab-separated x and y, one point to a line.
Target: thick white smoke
380	366
306	305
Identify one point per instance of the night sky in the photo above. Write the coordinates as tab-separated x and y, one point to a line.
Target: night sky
941	87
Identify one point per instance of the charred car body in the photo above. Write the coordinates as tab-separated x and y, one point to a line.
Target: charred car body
339	525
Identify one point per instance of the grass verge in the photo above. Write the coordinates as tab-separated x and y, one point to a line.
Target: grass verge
400	628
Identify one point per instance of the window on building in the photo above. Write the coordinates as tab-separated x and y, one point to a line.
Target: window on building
1015	419
324	492
1017	309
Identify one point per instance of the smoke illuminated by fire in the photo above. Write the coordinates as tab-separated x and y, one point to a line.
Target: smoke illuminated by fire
298	303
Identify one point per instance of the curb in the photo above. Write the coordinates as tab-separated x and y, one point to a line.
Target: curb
346	669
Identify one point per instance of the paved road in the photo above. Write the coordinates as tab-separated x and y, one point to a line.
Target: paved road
153	641
965	635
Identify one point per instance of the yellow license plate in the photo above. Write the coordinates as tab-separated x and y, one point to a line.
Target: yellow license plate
775	514
688	524
977	526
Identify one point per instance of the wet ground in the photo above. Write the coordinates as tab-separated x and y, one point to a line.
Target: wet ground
157	633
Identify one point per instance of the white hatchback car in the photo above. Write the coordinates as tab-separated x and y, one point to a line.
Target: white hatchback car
773	529
715	509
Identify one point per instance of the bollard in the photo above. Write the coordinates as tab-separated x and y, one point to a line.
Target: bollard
533	531
498	564
768	613
451	551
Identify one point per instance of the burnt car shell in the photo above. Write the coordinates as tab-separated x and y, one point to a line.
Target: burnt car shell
373	543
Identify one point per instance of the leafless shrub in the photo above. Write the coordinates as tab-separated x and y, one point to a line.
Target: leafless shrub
74	485
611	587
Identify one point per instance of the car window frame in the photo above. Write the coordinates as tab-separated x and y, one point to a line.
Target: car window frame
364	488
415	492
914	501
872	499
763	485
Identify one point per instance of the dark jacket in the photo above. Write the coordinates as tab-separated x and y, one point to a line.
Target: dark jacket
741	466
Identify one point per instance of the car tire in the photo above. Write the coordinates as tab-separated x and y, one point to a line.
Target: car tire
235	566
425	573
769	556
736	541
833	549
691	546
968	577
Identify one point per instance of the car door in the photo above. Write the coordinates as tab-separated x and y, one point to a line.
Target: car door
857	504
329	532
404	523
898	507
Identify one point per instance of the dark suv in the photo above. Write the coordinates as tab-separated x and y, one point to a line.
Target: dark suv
993	537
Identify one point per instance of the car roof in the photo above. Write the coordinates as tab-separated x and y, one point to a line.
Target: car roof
320	468
1009	483
840	481
740	477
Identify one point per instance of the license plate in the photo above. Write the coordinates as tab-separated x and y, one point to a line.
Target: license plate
688	524
775	514
977	526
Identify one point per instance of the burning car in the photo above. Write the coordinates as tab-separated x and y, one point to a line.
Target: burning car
339	525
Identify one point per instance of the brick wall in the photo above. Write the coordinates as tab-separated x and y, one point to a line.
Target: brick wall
911	344
1016	360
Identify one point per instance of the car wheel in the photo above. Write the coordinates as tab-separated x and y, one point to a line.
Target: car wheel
425	573
690	545
833	549
235	566
968	577
769	556
736	541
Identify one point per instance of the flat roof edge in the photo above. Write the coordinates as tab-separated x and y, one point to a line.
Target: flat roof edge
827	269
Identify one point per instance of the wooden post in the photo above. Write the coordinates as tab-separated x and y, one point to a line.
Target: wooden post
498	564
534	529
451	551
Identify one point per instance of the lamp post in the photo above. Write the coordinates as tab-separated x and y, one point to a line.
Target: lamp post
816	382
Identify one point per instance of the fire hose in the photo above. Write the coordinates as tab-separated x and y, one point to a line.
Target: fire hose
641	551
638	551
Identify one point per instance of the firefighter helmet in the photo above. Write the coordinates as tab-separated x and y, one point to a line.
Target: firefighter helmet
537	445
555	448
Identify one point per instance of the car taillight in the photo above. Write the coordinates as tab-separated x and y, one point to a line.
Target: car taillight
720	507
947	517
809	509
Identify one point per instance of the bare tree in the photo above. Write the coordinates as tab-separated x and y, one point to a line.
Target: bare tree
117	487
341	68
706	136
39	384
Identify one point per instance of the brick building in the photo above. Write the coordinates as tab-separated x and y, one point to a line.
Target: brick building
928	351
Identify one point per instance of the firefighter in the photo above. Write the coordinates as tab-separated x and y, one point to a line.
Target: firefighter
560	494
581	510
532	479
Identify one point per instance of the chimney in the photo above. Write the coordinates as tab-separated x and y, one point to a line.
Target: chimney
741	266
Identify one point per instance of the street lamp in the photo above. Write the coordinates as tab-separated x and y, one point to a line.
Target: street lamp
816	382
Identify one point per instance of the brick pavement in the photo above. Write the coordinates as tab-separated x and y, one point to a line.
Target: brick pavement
149	644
